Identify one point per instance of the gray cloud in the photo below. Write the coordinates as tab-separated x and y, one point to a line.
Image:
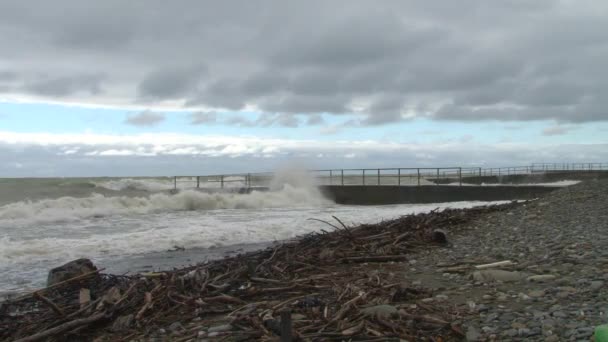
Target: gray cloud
65	86
145	119
6	75
170	83
315	119
557	130
471	60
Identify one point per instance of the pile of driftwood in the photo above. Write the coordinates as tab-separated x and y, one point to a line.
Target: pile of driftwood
338	284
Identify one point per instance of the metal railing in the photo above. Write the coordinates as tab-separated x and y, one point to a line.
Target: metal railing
383	176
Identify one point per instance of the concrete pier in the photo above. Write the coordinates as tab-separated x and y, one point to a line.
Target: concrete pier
377	195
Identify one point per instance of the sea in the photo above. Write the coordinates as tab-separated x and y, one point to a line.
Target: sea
130	225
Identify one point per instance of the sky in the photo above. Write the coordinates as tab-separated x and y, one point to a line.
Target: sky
194	87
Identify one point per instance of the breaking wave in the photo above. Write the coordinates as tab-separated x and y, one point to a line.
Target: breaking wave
150	185
97	205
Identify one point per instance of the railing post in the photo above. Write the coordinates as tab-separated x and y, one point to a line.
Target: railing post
248	180
437	182
331	177
479	172
418	172
378	176
198	182
342	176
363	176
222	181
399	177
175	182
460	176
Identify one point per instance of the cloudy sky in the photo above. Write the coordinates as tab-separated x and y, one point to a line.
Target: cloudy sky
197	87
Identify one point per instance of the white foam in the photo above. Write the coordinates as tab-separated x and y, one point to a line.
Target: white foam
120	235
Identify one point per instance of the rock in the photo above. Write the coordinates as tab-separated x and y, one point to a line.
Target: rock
122	323
176	328
541	278
298	317
559	314
596	285
220	328
70	270
381	311
441	297
536	293
472	334
497	275
510	332
552	338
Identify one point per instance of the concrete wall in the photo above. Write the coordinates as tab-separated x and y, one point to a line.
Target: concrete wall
370	194
536	178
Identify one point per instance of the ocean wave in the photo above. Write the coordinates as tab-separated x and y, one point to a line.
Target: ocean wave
150	185
98	205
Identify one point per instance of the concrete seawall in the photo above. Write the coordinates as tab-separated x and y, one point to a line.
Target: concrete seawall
531	178
374	195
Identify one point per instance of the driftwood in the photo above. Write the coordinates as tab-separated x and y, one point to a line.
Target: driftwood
321	277
62	328
495	264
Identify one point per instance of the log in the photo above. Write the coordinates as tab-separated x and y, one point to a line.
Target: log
63	327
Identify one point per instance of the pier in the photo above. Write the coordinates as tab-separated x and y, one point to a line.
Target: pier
367	186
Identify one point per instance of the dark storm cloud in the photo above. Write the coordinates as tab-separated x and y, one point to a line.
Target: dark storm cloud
65	86
468	60
145	119
170	83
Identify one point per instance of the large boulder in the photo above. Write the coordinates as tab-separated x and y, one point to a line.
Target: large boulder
70	270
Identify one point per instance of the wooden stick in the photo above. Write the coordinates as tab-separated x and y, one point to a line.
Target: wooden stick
495	264
379	258
63	327
147	304
280	305
49	303
223	298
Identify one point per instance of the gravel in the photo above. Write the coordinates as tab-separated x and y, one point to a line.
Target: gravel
559	241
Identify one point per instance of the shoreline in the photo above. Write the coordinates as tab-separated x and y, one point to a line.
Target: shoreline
328	269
